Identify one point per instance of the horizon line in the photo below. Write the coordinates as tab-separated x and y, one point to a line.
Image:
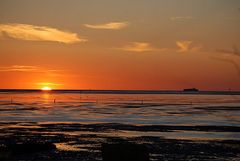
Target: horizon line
129	91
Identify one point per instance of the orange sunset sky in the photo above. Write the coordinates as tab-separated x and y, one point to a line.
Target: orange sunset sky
120	44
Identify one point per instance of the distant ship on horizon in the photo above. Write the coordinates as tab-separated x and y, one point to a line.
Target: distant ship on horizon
190	90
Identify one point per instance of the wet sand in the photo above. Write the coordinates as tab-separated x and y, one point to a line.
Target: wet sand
33	127
82	142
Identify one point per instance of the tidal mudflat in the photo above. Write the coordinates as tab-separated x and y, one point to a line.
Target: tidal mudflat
71	126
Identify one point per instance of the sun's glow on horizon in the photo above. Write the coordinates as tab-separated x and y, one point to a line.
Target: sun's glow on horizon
46	88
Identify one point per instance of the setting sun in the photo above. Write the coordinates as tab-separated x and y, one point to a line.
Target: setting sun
46	89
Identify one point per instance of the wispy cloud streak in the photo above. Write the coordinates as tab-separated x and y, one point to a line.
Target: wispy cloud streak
38	33
181	18
233	63
30	69
186	46
182	47
19	68
234	51
140	47
109	26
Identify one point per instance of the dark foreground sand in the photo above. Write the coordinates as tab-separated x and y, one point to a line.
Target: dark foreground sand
81	142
